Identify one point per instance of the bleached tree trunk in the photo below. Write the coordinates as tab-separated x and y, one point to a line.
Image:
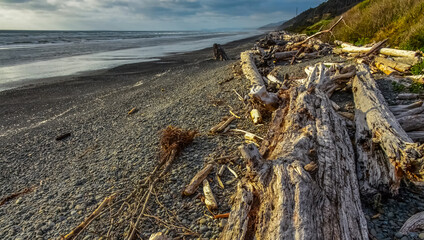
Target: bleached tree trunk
303	184
386	153
258	89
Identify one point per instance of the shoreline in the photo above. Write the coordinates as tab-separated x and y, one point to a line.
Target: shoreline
28	82
109	150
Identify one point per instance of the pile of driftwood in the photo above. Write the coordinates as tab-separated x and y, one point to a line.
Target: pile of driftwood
306	178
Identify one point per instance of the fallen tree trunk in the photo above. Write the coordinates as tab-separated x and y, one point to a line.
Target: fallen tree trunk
386	51
385	152
284	55
303	185
401	67
258	90
412	122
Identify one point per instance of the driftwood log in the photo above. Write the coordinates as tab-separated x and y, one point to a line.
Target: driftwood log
258	89
303	184
219	53
401	67
386	153
386	51
413	224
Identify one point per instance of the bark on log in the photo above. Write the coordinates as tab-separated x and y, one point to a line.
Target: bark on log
279	199
413	224
258	90
385	152
401	67
197	180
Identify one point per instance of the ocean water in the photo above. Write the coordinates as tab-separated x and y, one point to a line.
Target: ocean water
26	56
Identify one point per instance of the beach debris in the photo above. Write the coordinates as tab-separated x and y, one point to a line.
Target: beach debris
209	197
172	141
197	180
63	136
232	171
224	215
387	133
15	195
258	89
413	224
133	110
221	170
222	125
76	231
256	116
219	53
159	236
218	179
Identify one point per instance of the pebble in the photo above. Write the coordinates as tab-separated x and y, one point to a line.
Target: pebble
203	229
399	235
79	207
390	215
421	235
203	221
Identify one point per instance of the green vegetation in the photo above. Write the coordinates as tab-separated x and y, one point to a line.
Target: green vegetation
398	87
414	88
418	68
317	27
402	22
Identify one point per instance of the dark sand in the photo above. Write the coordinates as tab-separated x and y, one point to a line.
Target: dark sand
109	150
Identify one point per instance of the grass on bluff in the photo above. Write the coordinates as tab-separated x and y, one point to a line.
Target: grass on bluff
401	21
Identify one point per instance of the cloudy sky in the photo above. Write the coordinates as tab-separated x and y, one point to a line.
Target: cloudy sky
146	14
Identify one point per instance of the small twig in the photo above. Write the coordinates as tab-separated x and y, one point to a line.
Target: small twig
239	96
76	231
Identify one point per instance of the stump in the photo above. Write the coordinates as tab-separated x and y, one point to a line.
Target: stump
219	53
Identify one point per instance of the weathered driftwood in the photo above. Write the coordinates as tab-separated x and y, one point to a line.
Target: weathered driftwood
417	136
222	125
159	236
401	67
209	197
413	224
386	51
197	180
256	116
319	33
417	78
411	112
219	53
75	232
284	55
385	69
385	152
258	90
407	96
398	109
412	122
279	199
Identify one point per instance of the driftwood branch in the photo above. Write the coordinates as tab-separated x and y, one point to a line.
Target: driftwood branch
319	33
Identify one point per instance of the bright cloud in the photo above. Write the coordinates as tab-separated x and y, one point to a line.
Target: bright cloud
146	14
